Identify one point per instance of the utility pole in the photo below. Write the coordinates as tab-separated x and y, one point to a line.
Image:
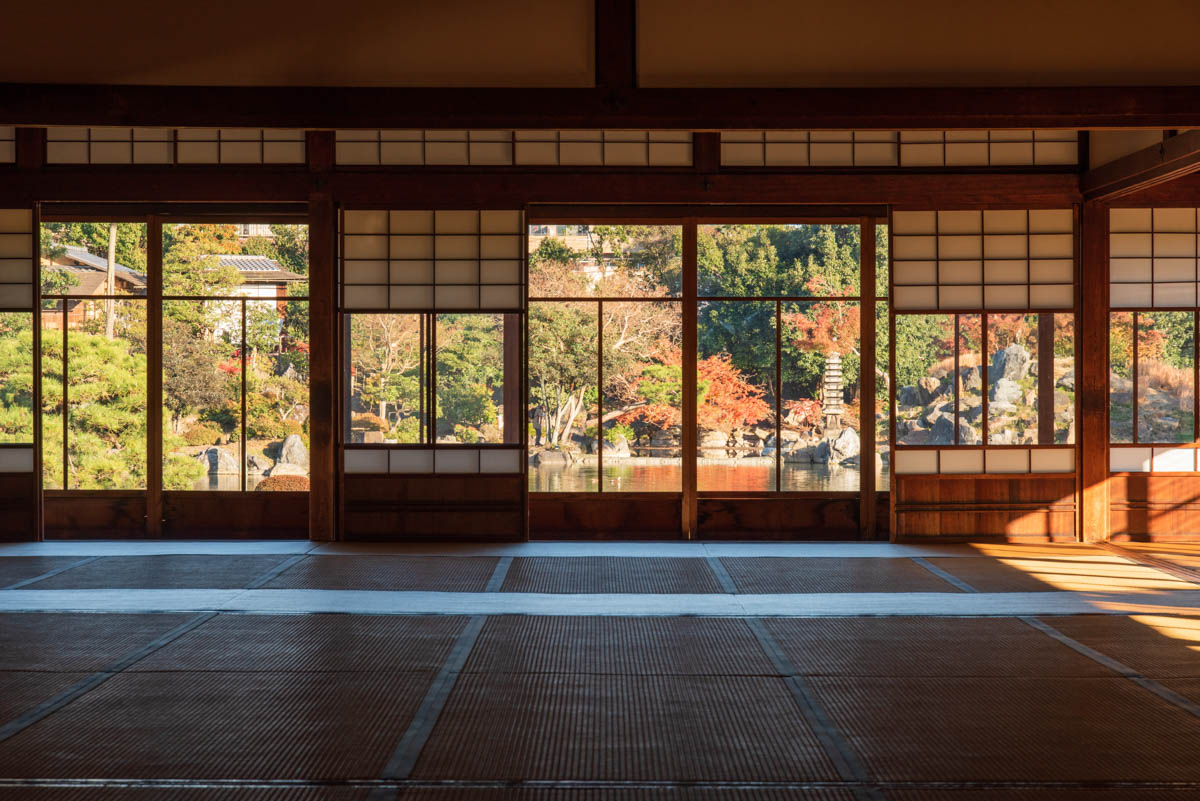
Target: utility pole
110	283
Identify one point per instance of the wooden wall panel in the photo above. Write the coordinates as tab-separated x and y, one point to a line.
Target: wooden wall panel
250	515
1154	507
780	518
94	515
466	507
609	517
1018	507
17	494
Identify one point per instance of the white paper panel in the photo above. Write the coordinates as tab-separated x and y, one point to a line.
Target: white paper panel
365	222
1005	221
365	297
1129	460
410	246
914	272
906	462
456	297
16	271
1129	270
1001	296
1005	246
1171	220
960	272
960	222
499	461
1007	461
960	297
1005	272
16	296
16	460
413	271
456	461
500	297
1121	246
1176	295
1123	220
411	297
1174	460
1168	270
410	222
914	222
406	460
1051	460
1052	271
1051	296
914	297
366	461
1174	246
956	461
1129	295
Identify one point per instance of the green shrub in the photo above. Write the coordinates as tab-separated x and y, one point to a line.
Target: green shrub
369	422
269	427
202	434
283	484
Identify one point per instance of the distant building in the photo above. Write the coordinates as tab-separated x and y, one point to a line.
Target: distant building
262	277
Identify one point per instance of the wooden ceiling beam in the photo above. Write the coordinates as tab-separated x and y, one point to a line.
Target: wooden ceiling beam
1173	158
601	107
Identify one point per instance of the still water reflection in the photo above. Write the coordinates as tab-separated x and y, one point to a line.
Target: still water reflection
626	476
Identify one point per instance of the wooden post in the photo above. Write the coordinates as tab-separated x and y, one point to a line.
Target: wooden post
1045	378
866	379
323	347
154	411
690	353
1092	395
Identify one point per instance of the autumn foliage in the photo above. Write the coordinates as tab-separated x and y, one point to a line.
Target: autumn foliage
725	400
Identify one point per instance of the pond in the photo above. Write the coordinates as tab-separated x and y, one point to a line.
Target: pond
663	475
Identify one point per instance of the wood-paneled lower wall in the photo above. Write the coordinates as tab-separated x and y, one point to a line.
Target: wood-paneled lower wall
118	514
1154	507
1037	507
445	508
18	494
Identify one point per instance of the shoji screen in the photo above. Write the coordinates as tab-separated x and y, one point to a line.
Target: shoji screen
18	280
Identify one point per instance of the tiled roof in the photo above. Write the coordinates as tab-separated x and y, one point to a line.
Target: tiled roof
86	259
259	269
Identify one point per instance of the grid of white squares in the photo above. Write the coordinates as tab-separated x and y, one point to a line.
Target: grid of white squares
977	462
432	460
1151	460
8	144
17	275
522	148
994	259
1020	148
1152	258
69	145
433	260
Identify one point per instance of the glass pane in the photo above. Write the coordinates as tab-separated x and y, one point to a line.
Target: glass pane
642	401
616	261
735	377
563	376
276	362
106	395
881	261
820	397
970	379
1012	379
202	408
1120	377
75	258
385	380
251	260
1064	379
883	399
777	260
52	394
470	378
924	362
16	377
1166	376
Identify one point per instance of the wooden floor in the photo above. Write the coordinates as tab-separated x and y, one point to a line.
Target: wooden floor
579	672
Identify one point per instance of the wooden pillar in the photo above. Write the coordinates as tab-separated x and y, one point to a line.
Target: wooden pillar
154	412
1045	378
1091	340
866	379
514	411
323	344
690	354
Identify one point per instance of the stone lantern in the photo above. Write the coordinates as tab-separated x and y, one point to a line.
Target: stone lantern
831	392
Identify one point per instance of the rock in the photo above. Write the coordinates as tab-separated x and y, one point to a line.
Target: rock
966	434
908	396
1062	400
972	379
713	439
449	439
219	462
372	437
1067	381
294	452
845	447
1005	391
942	432
930	419
821	454
928	388
803	455
1011	364
667	437
288	469
256	464
551	458
763	433
618	449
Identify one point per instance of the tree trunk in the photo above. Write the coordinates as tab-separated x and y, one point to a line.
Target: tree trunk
110	283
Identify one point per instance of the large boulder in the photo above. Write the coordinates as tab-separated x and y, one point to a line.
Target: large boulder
845	446
909	396
942	432
257	464
799	455
967	435
555	457
1010	364
1005	391
929	388
972	379
293	452
288	469
219	462
1067	381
